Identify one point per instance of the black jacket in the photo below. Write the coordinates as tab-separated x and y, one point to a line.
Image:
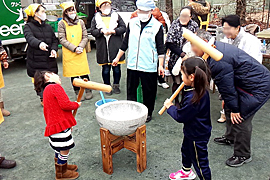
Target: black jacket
196	117
244	83
114	42
35	33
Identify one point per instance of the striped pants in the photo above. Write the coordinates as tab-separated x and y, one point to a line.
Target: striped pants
195	153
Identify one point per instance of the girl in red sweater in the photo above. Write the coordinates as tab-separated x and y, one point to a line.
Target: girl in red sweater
59	121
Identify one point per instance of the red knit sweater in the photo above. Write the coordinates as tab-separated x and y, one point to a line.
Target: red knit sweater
57	109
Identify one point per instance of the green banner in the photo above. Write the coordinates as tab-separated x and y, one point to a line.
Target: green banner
11	19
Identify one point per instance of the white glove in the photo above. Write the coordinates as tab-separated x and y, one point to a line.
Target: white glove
43	46
53	54
79	50
177	67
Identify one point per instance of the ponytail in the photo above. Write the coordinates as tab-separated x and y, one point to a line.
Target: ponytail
201	71
201	83
39	80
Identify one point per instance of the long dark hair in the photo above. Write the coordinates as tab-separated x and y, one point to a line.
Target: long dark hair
201	71
39	80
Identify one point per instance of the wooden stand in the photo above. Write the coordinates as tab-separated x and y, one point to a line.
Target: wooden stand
110	144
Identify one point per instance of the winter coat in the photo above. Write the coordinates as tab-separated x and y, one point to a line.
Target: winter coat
38	60
106	52
175	37
196	117
57	109
71	35
201	9
62	34
248	43
244	83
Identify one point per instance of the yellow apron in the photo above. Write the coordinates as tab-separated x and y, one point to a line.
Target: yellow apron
74	64
1	117
2	84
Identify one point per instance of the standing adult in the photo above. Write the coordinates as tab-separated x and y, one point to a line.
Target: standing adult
244	84
201	9
237	36
108	28
159	16
4	59
144	39
73	36
175	42
42	43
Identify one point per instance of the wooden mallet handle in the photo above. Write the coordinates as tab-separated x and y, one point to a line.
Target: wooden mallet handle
163	109
79	97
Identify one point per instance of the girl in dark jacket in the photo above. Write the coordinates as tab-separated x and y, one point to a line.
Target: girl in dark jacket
108	29
194	113
42	43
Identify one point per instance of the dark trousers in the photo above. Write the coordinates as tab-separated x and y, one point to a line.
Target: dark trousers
239	133
82	77
195	153
161	79
106	69
149	87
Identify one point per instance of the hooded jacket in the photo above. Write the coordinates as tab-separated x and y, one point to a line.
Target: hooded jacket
244	83
35	33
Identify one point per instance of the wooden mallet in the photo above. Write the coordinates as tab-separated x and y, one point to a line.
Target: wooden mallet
205	47
85	84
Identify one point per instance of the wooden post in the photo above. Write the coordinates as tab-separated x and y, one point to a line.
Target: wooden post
141	148
106	150
110	144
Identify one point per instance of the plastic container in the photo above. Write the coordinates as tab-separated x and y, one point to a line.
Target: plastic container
100	102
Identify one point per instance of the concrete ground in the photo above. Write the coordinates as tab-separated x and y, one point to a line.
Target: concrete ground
21	137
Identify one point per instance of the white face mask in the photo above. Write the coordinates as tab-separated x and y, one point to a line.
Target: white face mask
143	17
72	16
107	11
42	17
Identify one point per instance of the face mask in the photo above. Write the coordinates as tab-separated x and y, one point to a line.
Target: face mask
107	11
143	17
42	17
72	16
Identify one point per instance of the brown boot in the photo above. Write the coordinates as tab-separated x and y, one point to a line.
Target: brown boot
69	166
61	172
7	164
4	111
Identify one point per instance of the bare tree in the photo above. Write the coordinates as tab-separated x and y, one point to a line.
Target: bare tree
241	9
169	9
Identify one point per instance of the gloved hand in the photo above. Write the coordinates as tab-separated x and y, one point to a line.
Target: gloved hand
53	54
79	50
43	46
177	67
